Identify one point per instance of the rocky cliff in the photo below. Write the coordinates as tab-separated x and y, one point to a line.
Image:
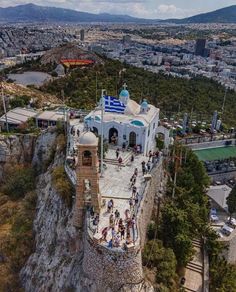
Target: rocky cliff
16	150
58	258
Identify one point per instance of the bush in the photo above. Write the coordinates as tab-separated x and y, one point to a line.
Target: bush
18	180
19	101
62	184
163	259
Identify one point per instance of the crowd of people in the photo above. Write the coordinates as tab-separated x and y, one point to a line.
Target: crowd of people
121	230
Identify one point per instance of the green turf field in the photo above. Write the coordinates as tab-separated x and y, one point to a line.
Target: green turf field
216	153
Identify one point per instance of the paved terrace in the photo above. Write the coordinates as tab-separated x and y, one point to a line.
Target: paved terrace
115	184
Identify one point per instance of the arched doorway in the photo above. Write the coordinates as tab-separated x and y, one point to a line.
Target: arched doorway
113	136
132	139
95	131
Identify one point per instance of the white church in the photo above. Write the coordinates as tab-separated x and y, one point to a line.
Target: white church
125	122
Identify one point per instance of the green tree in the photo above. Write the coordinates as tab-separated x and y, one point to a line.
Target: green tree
18	181
163	259
231	201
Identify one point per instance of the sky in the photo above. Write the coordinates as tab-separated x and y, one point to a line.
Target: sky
138	8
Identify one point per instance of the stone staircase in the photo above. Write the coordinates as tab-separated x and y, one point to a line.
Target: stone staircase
195	267
126	156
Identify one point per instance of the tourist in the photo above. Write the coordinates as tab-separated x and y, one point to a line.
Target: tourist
143	167
111	221
149	166
133	227
122	231
112	205
113	233
134	190
136	172
109	206
104	233
123	146
78	132
150	155
120	162
116	241
132	158
138	149
117	153
117	216
110	243
120	223
131	203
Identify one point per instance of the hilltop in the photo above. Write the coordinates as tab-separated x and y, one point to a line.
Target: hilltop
35	13
42	99
69	51
224	15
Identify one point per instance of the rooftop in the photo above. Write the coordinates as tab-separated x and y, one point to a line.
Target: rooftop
18	115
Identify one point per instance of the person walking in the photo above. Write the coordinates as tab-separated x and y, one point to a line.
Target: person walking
117	153
104	233
122	231
131	203
133	228
111	221
134	190
120	162
149	166
132	158
117	216
143	167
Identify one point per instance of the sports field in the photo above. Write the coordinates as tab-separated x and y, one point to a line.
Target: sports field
216	153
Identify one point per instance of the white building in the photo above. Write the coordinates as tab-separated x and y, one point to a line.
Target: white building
137	125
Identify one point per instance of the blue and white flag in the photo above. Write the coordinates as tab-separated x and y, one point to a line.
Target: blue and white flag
113	105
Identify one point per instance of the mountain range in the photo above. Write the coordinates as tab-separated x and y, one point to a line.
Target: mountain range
34	13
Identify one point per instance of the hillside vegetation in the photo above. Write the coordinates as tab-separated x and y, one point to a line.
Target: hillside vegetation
199	95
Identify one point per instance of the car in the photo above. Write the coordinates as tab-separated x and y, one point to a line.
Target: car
214	218
226	230
232	222
213	211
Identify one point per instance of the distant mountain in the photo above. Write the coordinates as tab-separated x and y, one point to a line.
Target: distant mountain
35	13
224	15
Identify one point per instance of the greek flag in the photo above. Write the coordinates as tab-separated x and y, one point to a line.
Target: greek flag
113	105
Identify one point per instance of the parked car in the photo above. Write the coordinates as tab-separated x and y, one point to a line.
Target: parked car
232	222
226	230
213	211
214	218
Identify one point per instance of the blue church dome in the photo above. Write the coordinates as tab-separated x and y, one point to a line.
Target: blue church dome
144	104
124	93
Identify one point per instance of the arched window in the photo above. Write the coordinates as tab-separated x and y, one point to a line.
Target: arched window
87	158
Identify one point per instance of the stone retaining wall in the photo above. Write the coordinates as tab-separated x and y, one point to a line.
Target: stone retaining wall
111	269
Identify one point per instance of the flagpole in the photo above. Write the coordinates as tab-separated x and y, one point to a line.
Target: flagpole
102	134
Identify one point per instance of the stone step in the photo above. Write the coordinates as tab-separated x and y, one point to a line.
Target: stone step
195	269
195	264
196	243
188	289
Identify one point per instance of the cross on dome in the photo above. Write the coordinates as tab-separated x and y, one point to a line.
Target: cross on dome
125	86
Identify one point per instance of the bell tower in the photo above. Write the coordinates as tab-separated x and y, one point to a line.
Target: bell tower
87	172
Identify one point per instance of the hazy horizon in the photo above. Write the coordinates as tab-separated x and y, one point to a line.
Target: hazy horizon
136	8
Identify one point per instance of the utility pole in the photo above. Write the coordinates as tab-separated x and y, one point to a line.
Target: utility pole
102	114
4	106
64	111
96	85
223	106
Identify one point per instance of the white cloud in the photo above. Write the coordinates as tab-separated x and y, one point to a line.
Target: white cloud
136	8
